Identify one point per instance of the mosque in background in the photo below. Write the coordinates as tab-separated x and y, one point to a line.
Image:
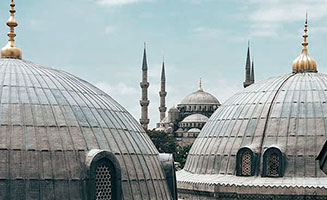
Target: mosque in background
192	113
63	138
265	142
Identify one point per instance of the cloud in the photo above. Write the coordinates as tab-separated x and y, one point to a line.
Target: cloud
36	24
207	32
109	30
198	1
113	3
319	29
270	16
288	10
120	89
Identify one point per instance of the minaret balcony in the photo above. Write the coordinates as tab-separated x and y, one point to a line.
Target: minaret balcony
144	121
144	102
162	109
144	84
162	93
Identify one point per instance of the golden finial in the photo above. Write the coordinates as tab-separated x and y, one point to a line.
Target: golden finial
11	50
305	63
200	86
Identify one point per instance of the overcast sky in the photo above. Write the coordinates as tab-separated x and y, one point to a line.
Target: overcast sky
101	41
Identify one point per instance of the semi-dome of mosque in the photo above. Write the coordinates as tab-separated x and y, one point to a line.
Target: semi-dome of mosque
63	138
194	131
264	140
195	118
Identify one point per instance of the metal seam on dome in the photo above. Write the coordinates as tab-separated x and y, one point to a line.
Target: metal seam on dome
267	118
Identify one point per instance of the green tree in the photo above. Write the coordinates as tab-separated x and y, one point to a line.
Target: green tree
181	154
164	142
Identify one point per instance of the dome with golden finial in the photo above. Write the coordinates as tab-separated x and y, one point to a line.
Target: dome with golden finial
263	142
63	138
200	97
11	50
304	63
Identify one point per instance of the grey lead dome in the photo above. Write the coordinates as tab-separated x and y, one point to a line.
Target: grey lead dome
200	97
288	113
50	120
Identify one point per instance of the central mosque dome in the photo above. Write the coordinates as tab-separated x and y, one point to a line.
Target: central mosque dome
200	97
266	136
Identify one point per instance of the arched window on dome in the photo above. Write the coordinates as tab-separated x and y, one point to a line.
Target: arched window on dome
273	163
104	175
245	162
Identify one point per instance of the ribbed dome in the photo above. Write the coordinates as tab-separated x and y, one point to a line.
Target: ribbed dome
50	120
200	97
195	118
288	112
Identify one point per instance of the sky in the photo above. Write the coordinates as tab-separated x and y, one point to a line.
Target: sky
101	41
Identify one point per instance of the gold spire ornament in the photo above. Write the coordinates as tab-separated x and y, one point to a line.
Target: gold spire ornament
11	50
200	86
304	63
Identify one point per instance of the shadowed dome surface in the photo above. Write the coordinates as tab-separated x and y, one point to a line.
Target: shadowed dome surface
50	120
200	97
288	112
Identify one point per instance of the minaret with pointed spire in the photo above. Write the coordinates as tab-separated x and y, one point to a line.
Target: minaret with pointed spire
144	102
163	93
252	72
249	73
11	50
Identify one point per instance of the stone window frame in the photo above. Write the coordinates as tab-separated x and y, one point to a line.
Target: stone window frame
239	155
95	158
269	152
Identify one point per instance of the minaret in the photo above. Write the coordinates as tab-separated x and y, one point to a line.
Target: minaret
247	81
11	50
163	93
252	72
144	102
